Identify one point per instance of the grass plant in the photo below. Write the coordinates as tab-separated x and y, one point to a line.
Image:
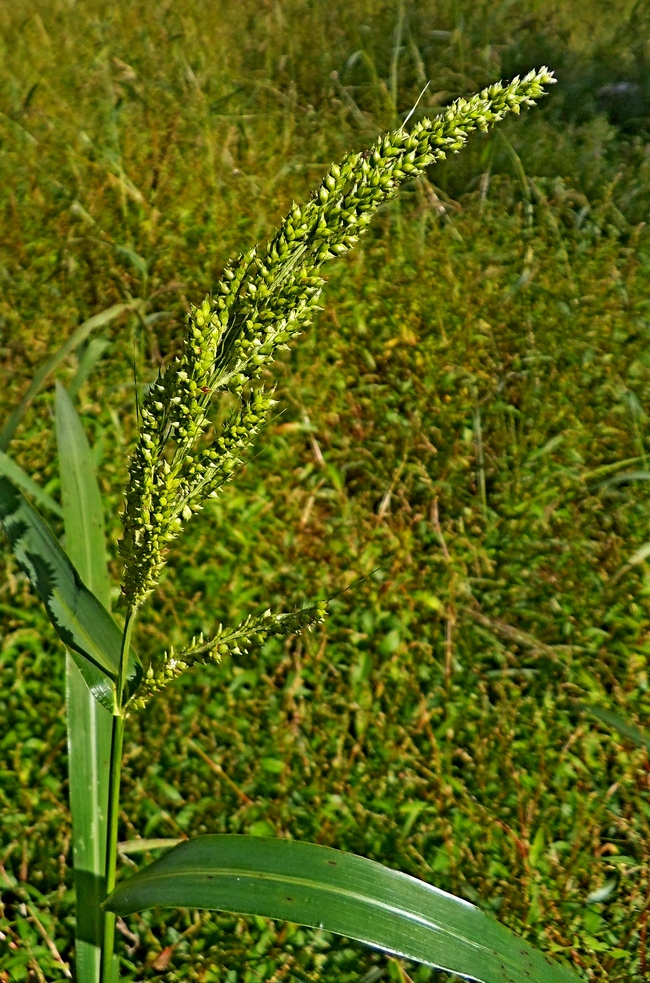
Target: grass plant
475	651
260	305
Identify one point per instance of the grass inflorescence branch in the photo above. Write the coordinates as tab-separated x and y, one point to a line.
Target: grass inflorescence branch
261	303
251	633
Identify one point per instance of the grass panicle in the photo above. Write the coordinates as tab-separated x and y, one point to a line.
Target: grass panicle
261	303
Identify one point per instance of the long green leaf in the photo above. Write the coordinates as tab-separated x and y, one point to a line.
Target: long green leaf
81	621
624	727
94	351
48	366
83	512
89	724
627	476
339	892
19	477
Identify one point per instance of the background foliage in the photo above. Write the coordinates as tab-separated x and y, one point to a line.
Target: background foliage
457	417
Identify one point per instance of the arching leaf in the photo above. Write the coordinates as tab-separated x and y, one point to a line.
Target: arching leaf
339	892
80	620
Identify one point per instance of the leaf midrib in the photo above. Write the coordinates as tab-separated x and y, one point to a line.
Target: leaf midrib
330	889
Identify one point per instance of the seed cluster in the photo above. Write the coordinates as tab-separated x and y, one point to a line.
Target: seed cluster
261	303
251	633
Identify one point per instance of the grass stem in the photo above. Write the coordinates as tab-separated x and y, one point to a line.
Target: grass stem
117	740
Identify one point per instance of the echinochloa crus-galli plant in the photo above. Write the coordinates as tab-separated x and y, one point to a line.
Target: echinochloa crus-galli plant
264	300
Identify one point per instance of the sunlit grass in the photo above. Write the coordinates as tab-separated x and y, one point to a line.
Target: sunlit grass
433	726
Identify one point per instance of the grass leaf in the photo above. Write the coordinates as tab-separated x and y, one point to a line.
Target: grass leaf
339	892
80	620
89	724
82	504
613	720
48	366
92	354
14	471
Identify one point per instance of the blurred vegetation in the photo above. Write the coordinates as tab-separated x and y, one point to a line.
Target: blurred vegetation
459	429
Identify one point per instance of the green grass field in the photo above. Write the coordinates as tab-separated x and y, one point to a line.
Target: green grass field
450	460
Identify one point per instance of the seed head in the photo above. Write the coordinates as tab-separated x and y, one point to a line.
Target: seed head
262	302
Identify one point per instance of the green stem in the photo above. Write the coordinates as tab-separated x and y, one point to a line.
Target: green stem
117	739
111	844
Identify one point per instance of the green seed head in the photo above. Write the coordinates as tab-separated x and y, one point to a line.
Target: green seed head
260	305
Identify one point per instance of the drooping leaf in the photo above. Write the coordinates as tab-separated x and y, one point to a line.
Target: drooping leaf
618	723
606	469
19	477
48	366
89	724
80	620
100	684
339	892
621	479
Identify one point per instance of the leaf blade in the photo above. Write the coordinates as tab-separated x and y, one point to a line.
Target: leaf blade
94	351
14	471
89	724
80	620
89	733
339	892
48	366
83	512
614	720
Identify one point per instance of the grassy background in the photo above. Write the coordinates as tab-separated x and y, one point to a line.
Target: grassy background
478	376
